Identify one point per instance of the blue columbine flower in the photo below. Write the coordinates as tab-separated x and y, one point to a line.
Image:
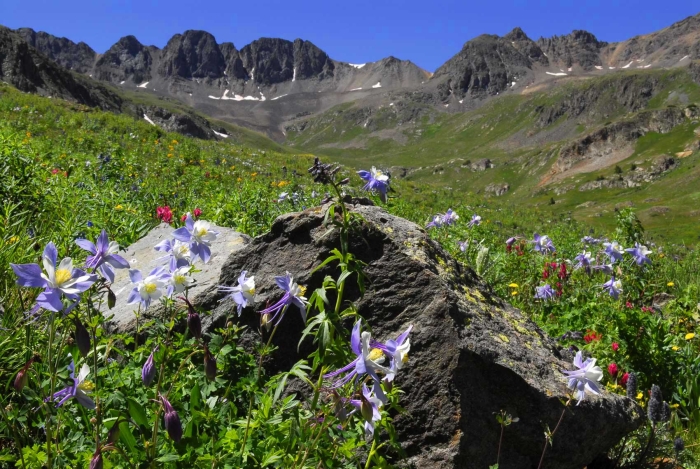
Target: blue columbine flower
376	180
475	221
543	244
614	251
368	361
640	253
584	261
590	240
293	294
368	405
436	222
179	253
545	292
613	287
172	421
585	377
104	258
242	293
200	236
463	245
450	217
59	280
397	351
76	389
148	289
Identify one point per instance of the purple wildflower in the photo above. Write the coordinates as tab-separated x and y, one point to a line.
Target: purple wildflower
148	289
613	287
543	244
200	236
376	180
179	253
293	294
450	217
590	240
366	361
584	261
148	372
368	405
585	377
59	280
397	351
436	222
640	253
475	221
242	293
104	258
172	420
607	269
614	251
76	388
463	245
545	292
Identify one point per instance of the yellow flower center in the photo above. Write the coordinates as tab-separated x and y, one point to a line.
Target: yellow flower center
375	354
201	231
251	291
150	287
62	276
405	358
179	278
86	385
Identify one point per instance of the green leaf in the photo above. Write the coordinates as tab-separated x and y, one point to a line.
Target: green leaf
280	387
137	412
127	437
195	397
168	458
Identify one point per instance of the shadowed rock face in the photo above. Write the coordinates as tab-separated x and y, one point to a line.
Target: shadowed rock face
128	58
579	47
472	354
194	54
79	57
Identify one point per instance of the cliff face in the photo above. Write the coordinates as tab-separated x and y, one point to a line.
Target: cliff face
66	53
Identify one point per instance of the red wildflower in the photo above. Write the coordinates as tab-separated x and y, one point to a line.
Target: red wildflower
562	271
164	214
519	248
183	217
560	289
623	380
629	305
509	248
592	336
55	171
615	346
613	369
197	212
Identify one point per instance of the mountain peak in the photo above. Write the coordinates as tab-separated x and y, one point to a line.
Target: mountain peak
74	56
517	34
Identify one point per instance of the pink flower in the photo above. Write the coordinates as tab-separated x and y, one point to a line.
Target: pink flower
164	214
613	369
623	380
197	212
629	305
615	346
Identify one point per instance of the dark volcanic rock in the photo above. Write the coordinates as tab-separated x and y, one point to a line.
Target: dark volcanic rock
28	70
269	60
486	65
128	58
234	64
311	62
472	354
66	53
188	124
579	47
193	54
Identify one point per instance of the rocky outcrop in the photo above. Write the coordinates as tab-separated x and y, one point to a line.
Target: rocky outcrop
605	141
127	59
234	64
472	354
24	67
185	123
497	189
78	57
579	47
193	54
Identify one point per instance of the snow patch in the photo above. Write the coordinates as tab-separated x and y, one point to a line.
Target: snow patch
148	120
545	54
512	84
571	69
378	85
220	134
446	105
278	97
557	74
391	104
599	67
294	77
356	89
357	65
647	66
237	97
252	74
679	60
611	68
628	65
143	85
461	101
122	82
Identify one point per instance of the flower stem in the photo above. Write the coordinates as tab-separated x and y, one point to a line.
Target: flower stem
500	440
551	435
52	380
372	452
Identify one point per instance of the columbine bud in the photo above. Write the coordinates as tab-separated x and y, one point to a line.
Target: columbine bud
21	379
93	420
209	365
148	372
172	421
655	407
194	324
624	379
96	461
632	386
366	409
678	445
265	321
82	338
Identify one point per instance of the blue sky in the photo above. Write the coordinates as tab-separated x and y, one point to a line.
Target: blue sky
426	32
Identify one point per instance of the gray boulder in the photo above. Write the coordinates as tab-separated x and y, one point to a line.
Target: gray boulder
472	354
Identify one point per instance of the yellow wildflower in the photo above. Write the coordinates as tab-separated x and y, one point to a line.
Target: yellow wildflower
689	335
239	179
282	184
675	348
514	285
13	240
170	155
253	174
119	207
670	284
514	293
640	395
174	142
29	135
